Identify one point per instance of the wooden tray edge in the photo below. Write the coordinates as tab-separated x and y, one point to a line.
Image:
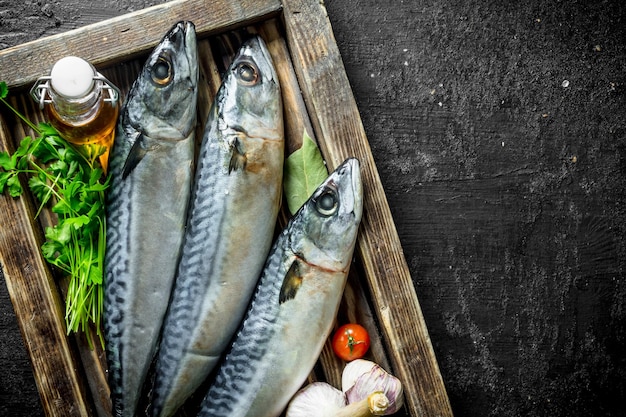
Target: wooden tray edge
123	37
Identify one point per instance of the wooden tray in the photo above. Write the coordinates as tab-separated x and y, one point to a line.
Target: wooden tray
380	294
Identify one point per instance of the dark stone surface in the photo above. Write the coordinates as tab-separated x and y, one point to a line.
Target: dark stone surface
499	131
499	135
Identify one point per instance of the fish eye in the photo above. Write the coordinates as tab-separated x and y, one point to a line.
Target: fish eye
327	203
247	73
162	72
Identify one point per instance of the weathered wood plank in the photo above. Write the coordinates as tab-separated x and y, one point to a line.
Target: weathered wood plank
121	38
38	305
340	132
297	120
93	361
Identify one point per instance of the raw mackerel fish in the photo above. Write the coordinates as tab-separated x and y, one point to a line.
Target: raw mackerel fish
293	309
151	166
234	205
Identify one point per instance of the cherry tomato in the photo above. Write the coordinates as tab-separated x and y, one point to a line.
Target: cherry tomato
351	341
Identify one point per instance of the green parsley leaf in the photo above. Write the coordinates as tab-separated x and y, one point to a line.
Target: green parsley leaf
77	222
47	129
25	147
4	178
4	90
61	233
15	188
7	162
50	249
95	275
39	187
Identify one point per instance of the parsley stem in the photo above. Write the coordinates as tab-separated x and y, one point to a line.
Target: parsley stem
21	116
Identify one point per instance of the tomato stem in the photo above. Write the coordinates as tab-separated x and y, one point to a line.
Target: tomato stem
352	342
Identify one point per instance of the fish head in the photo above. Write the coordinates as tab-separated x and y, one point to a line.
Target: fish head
325	227
162	101
249	99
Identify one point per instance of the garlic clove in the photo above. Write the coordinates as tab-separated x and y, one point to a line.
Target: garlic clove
366	377
354	370
317	399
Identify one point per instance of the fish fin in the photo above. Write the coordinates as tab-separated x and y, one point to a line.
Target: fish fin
136	154
291	283
238	158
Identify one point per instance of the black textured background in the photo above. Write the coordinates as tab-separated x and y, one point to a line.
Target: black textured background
499	131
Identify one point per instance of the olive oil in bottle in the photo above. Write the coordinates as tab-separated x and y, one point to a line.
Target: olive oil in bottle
81	104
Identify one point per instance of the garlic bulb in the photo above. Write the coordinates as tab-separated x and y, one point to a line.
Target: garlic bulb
368	390
361	378
318	399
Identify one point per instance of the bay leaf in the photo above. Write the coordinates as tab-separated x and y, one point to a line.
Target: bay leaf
304	171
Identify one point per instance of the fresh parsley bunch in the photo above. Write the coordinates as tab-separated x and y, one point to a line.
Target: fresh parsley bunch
71	181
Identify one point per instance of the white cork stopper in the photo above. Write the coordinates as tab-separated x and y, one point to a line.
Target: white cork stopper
72	77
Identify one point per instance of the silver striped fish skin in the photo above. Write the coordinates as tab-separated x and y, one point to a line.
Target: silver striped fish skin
151	167
234	204
295	304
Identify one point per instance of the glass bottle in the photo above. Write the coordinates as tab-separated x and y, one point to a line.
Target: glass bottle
81	104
